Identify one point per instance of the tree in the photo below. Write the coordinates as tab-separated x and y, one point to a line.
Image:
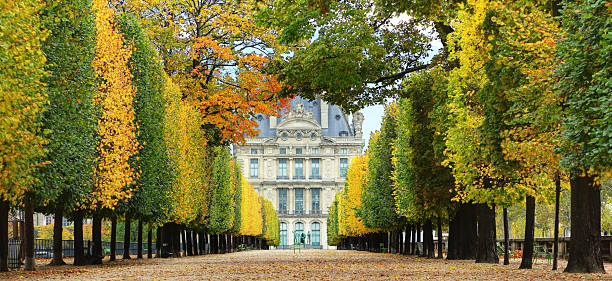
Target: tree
219	57
22	99
116	126
150	202
378	210
349	224
350	53
422	183
220	195
70	115
583	84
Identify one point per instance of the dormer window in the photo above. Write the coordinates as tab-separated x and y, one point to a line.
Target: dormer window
284	136
343	133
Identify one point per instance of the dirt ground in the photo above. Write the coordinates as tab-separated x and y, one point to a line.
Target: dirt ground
307	265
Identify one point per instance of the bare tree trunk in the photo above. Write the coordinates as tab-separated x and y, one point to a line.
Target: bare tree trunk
79	258
150	244
506	238
139	255
527	260
487	250
4	210
440	242
126	237
113	246
556	243
58	256
96	236
585	241
29	236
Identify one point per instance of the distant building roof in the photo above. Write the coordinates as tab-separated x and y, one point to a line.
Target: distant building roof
337	122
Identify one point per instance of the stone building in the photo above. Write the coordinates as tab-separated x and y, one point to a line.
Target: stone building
299	162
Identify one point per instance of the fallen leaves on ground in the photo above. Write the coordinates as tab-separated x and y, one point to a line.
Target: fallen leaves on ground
305	265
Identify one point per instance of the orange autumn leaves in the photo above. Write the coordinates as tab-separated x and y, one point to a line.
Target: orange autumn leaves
231	103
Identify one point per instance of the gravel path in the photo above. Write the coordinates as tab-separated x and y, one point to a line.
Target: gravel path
307	265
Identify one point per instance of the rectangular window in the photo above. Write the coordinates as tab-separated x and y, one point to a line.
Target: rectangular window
314	165
282	201
253	150
343	166
254	168
257	190
282	168
299	201
343	150
298	151
299	168
315	150
282	151
315	194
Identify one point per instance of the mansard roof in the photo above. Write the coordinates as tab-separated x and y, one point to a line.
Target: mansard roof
337	121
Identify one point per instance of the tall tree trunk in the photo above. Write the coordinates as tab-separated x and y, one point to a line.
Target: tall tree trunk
194	241
428	232
467	234
126	237
96	236
585	240
407	242
506	238
487	249
158	242
451	253
29	236
414	240
440	242
139	252
150	243
4	210
527	260
556	242
113	234
58	256
79	258
418	236
185	242
189	243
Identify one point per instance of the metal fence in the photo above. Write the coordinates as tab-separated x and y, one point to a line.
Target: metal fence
43	248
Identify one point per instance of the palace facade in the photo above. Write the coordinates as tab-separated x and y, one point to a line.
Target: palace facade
299	162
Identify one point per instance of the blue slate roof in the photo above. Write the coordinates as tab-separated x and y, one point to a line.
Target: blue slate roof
337	121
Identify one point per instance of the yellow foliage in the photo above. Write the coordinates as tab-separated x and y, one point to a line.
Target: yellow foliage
186	149
250	210
116	126
349	224
21	95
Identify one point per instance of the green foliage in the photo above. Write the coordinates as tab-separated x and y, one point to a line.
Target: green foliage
355	53
220	195
271	225
70	116
422	183
150	201
238	197
584	82
22	96
378	210
333	238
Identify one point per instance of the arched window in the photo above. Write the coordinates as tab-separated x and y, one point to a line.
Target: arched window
316	234
299	230
283	234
